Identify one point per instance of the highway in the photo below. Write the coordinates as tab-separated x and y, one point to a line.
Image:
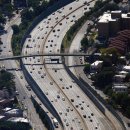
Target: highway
13	67
75	109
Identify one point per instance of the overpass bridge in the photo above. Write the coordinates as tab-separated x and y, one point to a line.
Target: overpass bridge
8	57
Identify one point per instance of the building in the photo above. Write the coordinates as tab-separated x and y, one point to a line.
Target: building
13	113
126	68
18	119
119	78
113	22
123	73
96	65
121	42
2	118
120	88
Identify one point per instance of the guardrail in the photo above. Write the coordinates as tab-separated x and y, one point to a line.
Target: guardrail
85	90
94	96
43	15
40	93
103	102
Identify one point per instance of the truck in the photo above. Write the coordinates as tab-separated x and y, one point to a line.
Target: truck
55	122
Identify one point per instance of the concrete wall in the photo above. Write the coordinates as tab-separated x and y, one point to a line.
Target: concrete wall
97	99
30	80
40	93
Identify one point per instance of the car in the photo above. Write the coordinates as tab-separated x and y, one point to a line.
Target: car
67	124
63	15
85	3
29	89
60	113
17	93
72	100
51	83
84	116
92	114
58	96
39	72
67	110
25	108
46	93
63	98
42	76
76	106
70	8
61	79
16	69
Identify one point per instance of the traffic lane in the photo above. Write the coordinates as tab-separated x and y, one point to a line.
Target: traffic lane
52	100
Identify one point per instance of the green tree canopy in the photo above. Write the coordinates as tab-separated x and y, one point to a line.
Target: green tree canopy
6	81
2	19
84	42
15	29
87	68
27	15
103	78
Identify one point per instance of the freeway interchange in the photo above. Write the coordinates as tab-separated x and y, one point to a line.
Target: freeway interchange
69	104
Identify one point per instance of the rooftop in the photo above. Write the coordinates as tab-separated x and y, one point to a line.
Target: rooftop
120	86
18	119
106	17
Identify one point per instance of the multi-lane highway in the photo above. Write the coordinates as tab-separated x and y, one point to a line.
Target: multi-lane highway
75	109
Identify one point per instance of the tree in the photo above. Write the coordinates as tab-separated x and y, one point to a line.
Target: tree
111	7
2	19
8	9
1	28
127	78
117	1
6	81
33	3
121	61
125	101
84	43
103	78
26	14
87	68
15	29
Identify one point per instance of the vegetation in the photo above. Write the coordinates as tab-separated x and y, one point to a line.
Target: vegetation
98	9
84	43
33	9
117	1
7	81
120	101
15	29
6	125
42	113
87	68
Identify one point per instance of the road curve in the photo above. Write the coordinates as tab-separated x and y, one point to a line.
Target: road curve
53	80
